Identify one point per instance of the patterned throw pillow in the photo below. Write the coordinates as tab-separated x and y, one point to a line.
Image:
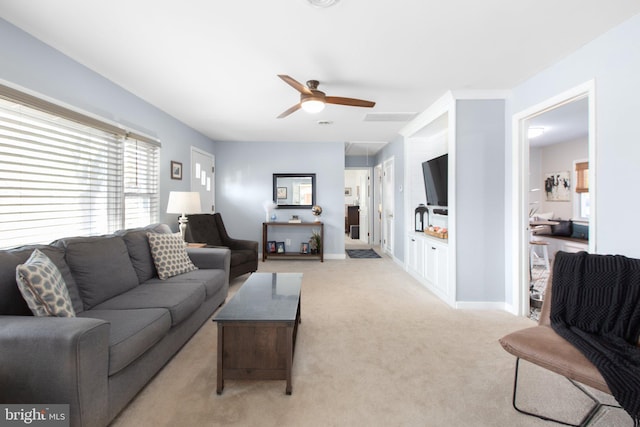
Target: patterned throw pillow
169	254
43	288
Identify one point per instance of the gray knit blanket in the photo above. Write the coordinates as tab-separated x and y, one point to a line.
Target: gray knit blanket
595	305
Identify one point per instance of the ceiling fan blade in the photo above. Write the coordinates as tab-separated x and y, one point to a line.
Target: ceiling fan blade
289	111
295	84
349	101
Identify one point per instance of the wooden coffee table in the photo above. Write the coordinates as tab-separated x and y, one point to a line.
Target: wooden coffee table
257	329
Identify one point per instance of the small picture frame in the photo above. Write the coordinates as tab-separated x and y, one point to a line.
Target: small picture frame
304	247
271	246
282	193
280	247
347	191
176	170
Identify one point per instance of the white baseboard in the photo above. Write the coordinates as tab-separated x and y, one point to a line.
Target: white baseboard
482	305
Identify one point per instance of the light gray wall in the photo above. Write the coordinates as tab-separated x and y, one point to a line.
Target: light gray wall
244	172
395	149
613	60
480	142
33	65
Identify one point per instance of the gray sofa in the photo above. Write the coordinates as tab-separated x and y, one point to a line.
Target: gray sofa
128	322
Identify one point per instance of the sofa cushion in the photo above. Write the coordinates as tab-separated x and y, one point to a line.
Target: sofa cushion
132	333
181	299
580	231
138	246
169	254
563	228
11	300
101	267
43	288
212	279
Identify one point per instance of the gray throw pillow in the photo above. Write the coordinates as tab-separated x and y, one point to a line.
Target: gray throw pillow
169	255
43	288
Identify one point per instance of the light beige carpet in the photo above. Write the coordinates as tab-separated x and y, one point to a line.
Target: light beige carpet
374	348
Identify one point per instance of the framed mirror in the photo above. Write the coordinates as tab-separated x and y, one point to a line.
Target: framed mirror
294	190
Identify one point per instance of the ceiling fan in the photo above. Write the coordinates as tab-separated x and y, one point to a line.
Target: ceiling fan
313	100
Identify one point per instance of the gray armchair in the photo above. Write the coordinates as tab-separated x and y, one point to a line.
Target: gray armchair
209	229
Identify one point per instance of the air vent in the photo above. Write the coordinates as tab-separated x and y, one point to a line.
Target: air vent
389	117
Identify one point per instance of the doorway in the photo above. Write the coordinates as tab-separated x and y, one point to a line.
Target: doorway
522	187
357	201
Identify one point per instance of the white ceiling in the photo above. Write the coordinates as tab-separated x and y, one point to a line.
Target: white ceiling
564	123
214	64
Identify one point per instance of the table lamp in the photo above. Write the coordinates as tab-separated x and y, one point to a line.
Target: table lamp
183	202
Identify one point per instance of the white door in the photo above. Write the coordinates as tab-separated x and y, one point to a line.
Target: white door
377	206
387	206
364	206
203	178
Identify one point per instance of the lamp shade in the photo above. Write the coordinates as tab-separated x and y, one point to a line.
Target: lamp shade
183	202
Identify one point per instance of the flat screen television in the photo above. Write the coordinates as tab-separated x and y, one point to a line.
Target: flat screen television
436	182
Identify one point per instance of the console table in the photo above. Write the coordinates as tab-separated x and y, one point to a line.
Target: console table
289	255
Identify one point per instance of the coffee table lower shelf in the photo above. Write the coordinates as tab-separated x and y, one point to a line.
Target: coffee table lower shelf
256	350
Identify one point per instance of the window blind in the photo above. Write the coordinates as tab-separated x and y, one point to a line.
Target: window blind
582	174
60	177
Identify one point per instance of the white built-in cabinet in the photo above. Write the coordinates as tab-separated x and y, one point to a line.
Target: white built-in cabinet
428	259
465	269
428	262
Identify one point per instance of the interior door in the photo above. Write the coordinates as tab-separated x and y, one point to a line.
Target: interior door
388	213
364	206
203	178
377	206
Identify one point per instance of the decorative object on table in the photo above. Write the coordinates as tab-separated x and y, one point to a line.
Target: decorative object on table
184	202
271	246
316	211
315	243
420	223
280	247
439	232
557	186
269	206
176	170
304	248
295	219
282	193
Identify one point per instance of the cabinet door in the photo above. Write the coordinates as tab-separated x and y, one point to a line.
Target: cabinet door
416	255
442	271
431	262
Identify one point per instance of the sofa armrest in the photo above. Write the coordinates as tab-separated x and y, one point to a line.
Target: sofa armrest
217	258
56	360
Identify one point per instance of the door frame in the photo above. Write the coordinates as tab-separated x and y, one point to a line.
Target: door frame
519	261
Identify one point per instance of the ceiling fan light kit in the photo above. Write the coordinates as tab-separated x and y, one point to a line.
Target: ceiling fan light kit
313	100
322	3
311	105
